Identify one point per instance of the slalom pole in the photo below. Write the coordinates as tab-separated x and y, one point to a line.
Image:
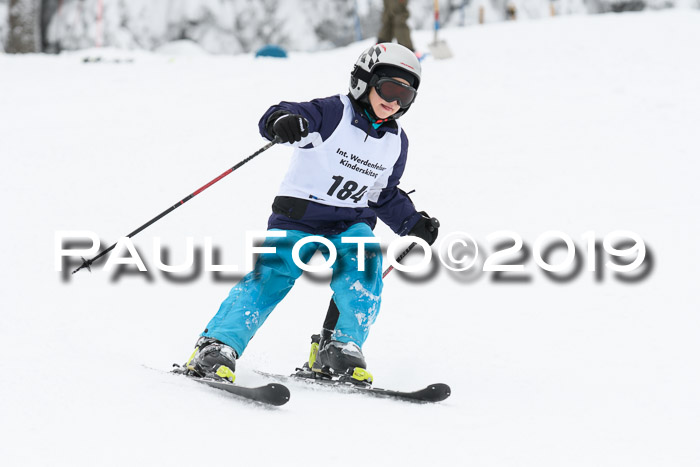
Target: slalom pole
438	48
88	262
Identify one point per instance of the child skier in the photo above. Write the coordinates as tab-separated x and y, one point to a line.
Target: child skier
350	153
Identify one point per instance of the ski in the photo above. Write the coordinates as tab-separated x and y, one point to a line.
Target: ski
432	393
270	394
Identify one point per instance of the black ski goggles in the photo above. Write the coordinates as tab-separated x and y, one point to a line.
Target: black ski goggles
392	90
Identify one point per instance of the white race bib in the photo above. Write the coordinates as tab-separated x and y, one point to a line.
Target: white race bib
345	170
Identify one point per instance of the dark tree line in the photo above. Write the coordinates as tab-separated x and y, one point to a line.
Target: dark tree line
24	26
27	21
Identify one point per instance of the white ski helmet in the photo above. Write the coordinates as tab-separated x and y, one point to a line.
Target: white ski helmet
383	55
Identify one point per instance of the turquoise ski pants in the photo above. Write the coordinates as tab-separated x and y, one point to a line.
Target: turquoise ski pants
356	293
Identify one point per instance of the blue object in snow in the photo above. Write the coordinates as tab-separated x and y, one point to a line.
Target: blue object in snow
271	51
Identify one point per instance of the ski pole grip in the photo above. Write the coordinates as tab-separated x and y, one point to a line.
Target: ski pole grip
434	224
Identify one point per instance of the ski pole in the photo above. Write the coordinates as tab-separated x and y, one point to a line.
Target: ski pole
88	262
434	224
398	259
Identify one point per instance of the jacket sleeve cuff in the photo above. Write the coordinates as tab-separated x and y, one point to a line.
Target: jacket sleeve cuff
408	224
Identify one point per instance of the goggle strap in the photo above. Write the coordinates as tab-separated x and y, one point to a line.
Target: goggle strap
361	73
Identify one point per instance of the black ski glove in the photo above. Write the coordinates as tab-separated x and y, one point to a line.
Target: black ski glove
289	127
426	228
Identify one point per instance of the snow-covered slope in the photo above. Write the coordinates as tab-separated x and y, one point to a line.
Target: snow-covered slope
570	124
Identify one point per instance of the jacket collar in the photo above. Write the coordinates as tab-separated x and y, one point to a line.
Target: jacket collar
361	121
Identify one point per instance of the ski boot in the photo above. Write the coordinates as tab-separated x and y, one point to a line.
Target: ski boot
212	359
338	360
